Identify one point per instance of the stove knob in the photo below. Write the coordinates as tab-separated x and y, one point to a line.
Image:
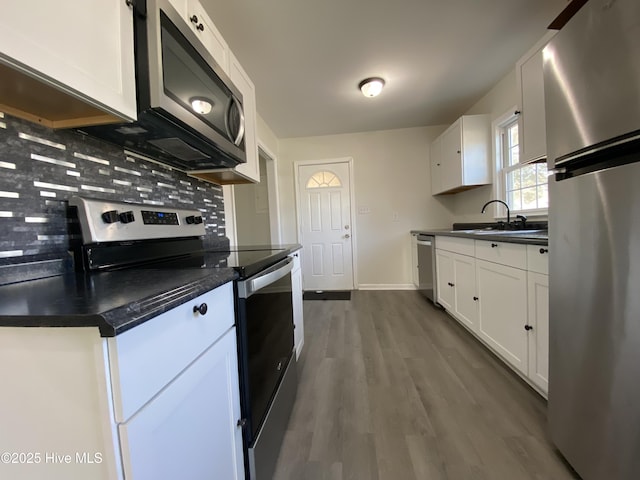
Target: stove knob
127	217
191	220
110	217
197	220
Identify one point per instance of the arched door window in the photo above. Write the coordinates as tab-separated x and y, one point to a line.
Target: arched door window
324	179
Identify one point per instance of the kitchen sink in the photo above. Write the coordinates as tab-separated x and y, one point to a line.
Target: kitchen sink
511	232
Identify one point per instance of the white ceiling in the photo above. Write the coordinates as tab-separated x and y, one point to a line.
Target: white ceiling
438	57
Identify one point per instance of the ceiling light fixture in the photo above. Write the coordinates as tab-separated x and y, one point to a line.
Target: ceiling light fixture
371	87
201	105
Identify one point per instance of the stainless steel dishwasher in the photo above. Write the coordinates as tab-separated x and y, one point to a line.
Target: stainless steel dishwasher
427	266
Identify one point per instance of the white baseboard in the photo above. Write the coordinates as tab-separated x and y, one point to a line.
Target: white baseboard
386	286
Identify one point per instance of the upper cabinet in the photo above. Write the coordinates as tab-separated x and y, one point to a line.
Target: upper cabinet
209	35
461	156
531	122
64	64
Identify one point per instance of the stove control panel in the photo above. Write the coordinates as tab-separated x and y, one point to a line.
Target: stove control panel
107	221
160	218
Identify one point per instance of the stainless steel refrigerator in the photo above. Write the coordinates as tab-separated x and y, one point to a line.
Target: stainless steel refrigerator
592	101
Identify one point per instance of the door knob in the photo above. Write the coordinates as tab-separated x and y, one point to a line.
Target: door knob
346	227
347	235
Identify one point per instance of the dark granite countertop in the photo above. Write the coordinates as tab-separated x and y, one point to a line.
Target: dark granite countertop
528	237
112	301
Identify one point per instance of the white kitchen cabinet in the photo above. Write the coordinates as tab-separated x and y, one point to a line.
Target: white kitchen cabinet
435	153
465	152
531	121
538	321
81	55
502	292
456	286
158	401
190	429
209	35
251	169
298	311
465	306
445	279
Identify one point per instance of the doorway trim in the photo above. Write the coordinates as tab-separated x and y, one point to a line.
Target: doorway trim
271	162
352	210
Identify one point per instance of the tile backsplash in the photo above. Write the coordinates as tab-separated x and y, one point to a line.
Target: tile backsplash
40	169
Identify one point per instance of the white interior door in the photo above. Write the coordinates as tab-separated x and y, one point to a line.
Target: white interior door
325	216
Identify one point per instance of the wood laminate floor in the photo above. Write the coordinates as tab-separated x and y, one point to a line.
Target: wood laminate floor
393	389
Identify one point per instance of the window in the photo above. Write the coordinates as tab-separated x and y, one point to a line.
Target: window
324	180
523	187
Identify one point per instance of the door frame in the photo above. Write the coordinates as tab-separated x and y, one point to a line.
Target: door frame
274	200
352	204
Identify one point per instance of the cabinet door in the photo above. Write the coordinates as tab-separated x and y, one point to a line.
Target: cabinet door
250	169
298	312
452	157
445	278
466	307
502	293
208	33
538	286
531	123
190	429
436	166
84	48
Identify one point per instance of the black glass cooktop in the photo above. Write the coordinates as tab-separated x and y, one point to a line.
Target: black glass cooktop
246	262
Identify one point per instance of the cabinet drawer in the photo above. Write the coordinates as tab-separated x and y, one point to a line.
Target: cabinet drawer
511	254
296	260
463	246
538	258
147	357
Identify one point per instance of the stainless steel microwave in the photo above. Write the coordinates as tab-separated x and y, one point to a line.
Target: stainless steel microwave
190	115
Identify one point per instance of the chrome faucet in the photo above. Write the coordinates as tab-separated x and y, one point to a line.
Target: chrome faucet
499	201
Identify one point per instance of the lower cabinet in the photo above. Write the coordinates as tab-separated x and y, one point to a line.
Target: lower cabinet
502	293
157	402
298	313
501	302
456	282
445	279
538	299
190	429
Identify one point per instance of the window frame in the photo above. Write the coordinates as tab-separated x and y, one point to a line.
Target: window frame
499	184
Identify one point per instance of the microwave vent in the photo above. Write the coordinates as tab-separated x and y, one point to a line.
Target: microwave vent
179	149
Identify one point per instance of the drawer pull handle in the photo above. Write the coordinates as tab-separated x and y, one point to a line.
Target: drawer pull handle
194	19
450	284
475	299
201	309
494	245
544	250
528	327
242	422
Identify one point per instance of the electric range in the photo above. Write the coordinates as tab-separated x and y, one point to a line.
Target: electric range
121	236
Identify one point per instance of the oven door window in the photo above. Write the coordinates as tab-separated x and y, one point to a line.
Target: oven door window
269	317
191	82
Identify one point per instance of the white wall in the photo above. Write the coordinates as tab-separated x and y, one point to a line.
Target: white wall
252	211
266	138
391	175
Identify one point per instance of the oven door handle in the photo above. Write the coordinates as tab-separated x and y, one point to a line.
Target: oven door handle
263	279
